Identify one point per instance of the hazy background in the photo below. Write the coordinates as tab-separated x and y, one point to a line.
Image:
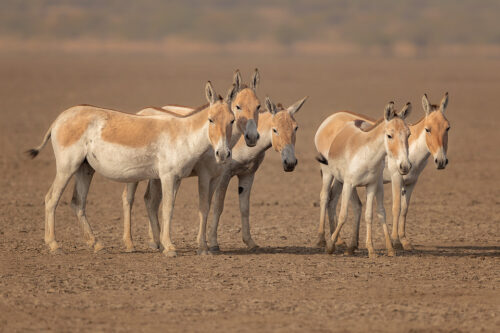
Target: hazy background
415	28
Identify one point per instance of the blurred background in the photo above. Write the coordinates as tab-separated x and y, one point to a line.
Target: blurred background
413	28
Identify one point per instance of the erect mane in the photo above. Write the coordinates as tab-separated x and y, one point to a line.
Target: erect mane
369	128
195	111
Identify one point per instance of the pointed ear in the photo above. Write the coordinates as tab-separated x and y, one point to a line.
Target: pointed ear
231	94
210	93
444	102
255	79
426	104
297	105
270	106
405	111
389	111
237	79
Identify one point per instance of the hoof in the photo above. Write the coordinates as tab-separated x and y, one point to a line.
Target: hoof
330	247
54	247
391	253
350	251
372	255
170	254
154	245
407	246
202	252
340	243
129	249
98	247
397	245
253	248
320	242
214	249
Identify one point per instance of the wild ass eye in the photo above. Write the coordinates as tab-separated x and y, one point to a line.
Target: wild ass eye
210	120
275	131
232	121
389	136
258	107
447	128
238	107
428	130
296	128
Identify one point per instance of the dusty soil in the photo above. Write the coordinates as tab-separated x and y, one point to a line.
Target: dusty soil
450	282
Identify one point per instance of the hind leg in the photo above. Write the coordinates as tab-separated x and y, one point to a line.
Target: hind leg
52	198
327	179
332	211
128	201
83	178
152	199
356	205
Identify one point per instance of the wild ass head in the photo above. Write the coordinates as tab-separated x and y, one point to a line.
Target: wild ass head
396	136
436	128
221	121
284	129
246	108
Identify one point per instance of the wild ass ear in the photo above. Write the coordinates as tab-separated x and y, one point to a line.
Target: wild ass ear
231	94
270	106
210	93
405	111
426	104
255	79
444	102
292	109
237	79
389	111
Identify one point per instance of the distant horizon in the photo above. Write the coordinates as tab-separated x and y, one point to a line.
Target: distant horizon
318	27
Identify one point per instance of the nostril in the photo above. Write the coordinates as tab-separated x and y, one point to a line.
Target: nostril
435	160
446	161
228	154
258	136
217	153
247	137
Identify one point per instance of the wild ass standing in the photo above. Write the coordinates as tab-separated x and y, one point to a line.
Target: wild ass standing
246	108
351	157
429	136
130	148
278	128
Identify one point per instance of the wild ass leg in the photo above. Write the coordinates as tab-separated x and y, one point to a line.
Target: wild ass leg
244	189
206	187
332	211
128	201
169	186
346	195
327	179
370	194
405	203
152	199
381	215
356	205
396	183
52	198
220	195
83	178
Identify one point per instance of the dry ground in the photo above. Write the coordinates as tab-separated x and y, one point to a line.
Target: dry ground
449	283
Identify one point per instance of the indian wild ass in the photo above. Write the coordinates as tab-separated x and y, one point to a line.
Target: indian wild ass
352	157
246	108
429	136
130	148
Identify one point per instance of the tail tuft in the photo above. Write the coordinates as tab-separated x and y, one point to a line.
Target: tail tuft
32	153
321	159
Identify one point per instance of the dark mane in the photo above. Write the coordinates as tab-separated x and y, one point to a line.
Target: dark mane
371	127
196	110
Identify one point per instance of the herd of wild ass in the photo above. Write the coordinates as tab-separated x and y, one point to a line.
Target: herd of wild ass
229	137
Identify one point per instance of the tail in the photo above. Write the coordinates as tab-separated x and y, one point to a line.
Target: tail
321	159
34	151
